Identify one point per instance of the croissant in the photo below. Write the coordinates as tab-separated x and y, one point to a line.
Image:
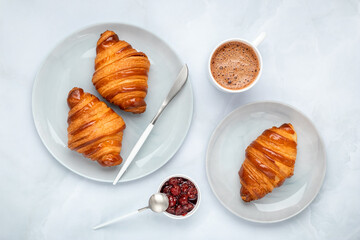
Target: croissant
121	73
269	160
94	129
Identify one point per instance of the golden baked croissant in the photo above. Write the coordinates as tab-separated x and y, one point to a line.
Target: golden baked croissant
121	73
269	160
94	129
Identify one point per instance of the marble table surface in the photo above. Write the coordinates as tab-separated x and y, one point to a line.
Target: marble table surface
311	61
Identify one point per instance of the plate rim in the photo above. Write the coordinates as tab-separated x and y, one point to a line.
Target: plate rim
207	162
35	83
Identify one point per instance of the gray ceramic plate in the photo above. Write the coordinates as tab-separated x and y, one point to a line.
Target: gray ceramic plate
71	64
226	152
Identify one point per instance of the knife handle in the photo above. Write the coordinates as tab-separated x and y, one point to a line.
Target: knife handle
134	151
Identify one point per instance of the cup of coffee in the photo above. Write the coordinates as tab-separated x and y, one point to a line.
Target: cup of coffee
235	65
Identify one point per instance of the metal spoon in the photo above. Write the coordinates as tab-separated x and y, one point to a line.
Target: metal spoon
158	203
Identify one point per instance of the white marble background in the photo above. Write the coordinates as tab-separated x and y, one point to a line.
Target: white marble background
311	61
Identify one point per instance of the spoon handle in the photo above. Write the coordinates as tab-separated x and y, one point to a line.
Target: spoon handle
119	218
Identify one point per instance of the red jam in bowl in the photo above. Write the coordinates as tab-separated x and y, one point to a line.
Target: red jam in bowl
182	195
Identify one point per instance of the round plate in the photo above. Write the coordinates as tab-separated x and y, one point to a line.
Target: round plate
226	153
71	64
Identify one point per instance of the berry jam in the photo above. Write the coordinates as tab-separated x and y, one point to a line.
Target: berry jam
182	195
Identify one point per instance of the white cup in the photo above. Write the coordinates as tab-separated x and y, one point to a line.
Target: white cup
253	45
197	202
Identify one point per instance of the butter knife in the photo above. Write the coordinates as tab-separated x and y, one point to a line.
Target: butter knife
175	89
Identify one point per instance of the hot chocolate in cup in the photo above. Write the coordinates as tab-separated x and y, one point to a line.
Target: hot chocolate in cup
235	65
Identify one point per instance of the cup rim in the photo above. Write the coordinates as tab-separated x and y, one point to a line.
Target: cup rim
242	89
197	203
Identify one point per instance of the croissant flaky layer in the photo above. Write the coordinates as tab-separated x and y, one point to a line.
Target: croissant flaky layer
94	129
269	160
121	73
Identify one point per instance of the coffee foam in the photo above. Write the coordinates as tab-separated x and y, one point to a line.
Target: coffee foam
234	65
